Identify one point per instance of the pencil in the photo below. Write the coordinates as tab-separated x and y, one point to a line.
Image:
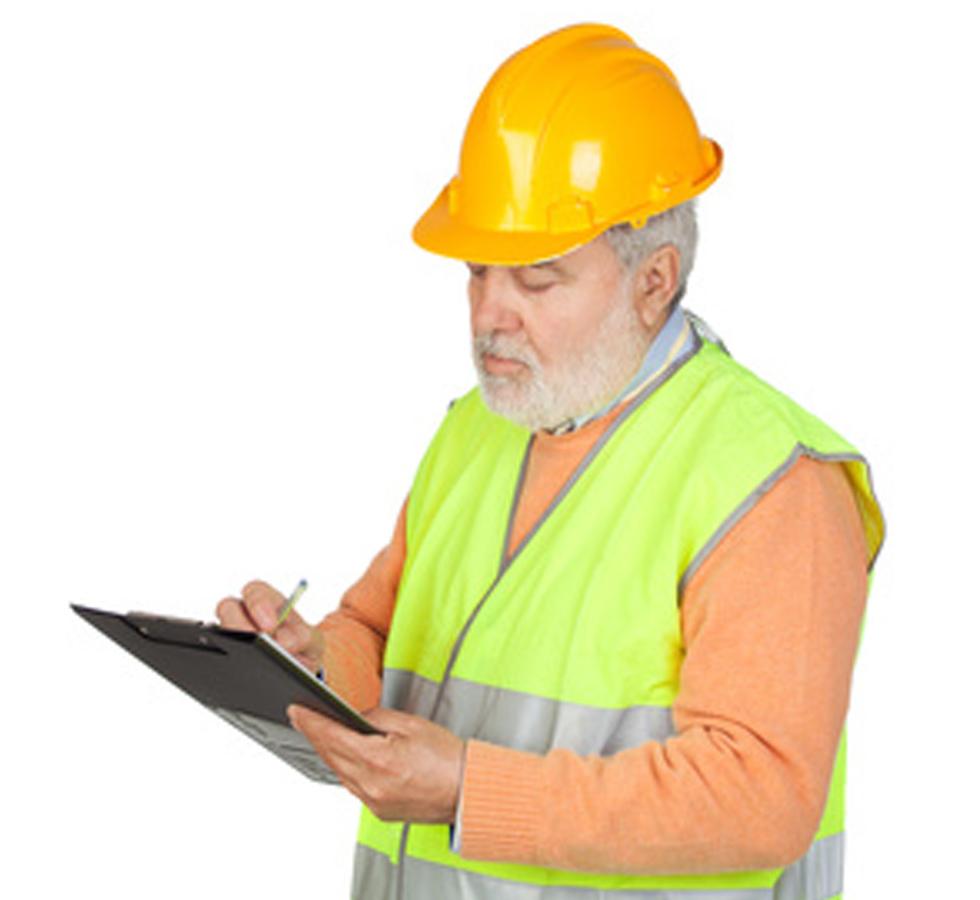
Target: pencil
291	601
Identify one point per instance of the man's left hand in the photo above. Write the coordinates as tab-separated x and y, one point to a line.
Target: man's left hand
410	774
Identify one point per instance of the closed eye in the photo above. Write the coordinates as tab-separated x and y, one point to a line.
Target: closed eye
535	281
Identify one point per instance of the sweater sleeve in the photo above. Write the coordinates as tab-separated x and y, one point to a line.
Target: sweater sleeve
770	624
355	633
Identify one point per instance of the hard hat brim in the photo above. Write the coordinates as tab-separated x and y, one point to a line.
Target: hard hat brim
439	232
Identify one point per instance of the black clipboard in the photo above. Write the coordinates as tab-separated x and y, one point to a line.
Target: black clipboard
245	678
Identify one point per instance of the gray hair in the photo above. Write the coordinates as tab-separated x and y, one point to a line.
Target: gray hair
677	225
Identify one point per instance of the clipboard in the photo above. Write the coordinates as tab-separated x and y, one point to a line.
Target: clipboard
245	678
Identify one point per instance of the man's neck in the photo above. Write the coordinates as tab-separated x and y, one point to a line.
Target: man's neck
674	337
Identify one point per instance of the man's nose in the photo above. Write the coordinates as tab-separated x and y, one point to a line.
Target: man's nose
494	302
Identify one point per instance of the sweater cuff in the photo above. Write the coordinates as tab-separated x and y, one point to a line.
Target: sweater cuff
497	804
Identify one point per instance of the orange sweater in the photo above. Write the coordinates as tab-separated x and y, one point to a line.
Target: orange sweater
770	624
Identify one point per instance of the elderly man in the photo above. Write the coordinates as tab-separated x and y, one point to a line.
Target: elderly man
613	634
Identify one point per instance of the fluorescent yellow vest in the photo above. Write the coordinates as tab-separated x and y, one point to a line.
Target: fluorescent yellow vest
574	641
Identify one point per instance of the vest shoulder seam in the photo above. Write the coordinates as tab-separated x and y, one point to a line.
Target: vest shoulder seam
755	495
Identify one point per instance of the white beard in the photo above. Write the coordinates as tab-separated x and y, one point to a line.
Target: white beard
582	383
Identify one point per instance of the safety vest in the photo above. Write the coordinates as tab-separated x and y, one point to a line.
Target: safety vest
574	640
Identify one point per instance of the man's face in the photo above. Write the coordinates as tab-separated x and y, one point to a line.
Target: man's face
555	340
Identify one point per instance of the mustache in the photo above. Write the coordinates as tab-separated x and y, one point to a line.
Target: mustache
505	347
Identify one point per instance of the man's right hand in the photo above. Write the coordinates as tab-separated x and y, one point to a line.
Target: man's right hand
258	610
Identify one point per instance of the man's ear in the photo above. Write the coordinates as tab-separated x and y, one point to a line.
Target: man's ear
655	282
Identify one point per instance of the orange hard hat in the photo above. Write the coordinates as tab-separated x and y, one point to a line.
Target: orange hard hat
575	133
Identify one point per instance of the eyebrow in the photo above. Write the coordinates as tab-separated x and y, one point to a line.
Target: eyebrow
549	265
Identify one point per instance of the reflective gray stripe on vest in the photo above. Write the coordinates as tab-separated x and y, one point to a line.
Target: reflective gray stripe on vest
523	721
817	876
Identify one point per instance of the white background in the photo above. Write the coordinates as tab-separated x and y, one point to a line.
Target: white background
221	357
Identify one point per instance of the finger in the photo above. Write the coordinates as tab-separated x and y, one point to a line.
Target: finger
315	648
263	602
392	721
349	774
328	737
231	614
294	637
350	767
312	724
354	768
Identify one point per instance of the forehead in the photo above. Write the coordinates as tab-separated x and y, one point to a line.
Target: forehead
595	256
